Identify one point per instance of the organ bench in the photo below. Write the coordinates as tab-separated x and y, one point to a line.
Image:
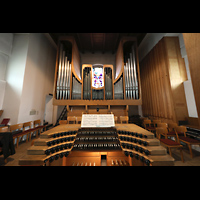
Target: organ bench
71	145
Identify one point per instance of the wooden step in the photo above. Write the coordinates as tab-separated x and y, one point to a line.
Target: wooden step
40	150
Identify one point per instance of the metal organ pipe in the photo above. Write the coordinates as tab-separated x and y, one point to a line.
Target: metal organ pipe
130	74
63	77
135	73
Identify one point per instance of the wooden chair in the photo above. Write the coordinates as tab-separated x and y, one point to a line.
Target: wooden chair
115	118
71	119
3	129
155	122
27	128
171	130
38	127
172	126
63	122
149	126
182	137
17	131
164	125
124	119
78	120
167	142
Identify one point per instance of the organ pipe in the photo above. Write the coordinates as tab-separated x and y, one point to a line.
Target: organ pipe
130	74
63	76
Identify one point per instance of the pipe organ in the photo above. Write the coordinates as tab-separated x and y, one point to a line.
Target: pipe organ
63	75
91	84
88	88
130	75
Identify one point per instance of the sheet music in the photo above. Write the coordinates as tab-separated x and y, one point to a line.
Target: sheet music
97	120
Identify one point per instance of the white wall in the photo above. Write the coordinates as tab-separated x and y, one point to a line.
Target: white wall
38	79
29	75
6	40
14	77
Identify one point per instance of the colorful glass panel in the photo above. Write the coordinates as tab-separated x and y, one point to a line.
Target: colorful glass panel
97	77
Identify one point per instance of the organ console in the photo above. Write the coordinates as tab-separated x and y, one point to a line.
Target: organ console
71	145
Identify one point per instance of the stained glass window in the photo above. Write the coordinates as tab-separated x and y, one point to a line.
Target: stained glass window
97	77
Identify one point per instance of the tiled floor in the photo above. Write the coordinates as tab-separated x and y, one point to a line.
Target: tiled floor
188	161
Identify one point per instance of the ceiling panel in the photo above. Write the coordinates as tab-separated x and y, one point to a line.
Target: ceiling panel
93	42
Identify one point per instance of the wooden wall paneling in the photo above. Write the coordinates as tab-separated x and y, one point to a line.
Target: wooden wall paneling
177	88
149	92
161	70
161	83
159	93
152	88
157	85
143	86
192	45
151	84
167	86
147	101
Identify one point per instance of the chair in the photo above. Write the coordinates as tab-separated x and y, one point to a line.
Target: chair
4	129
164	125
27	129
155	122
148	125
78	120
161	131
167	142
124	119
172	126
171	130
71	119
166	132
17	132
63	122
182	137
38	126
115	118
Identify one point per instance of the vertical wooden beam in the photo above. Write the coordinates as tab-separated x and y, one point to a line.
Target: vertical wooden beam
192	45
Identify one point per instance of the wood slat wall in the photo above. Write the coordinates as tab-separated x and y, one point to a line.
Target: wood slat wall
158	76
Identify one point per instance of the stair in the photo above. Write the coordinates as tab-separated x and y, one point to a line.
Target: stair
61	116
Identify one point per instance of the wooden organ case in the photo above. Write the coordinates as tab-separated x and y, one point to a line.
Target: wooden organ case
74	83
109	88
